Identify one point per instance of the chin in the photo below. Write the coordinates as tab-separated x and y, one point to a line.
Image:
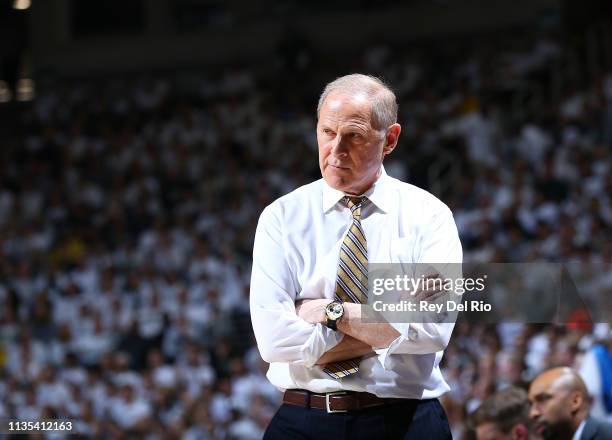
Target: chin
335	182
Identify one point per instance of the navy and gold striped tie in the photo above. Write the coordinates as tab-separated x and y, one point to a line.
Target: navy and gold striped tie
352	280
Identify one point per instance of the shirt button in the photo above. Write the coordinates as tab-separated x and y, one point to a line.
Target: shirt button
412	334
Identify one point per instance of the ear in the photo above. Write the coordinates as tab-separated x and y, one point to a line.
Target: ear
391	138
519	432
576	401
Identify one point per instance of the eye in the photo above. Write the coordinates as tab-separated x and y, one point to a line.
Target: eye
328	131
355	136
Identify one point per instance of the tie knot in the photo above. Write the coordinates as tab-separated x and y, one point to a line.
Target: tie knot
355	204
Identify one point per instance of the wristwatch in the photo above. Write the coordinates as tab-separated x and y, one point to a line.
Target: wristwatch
334	312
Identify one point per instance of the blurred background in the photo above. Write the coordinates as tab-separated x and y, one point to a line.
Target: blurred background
141	139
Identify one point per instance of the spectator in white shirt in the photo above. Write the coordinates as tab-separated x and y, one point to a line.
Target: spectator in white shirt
130	411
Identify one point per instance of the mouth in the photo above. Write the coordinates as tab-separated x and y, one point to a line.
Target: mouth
338	167
540	428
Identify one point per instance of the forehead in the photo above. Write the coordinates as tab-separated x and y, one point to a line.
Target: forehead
536	388
543	385
346	107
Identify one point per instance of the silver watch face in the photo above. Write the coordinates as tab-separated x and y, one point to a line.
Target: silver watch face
334	310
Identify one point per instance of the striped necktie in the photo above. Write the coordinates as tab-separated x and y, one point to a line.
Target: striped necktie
352	279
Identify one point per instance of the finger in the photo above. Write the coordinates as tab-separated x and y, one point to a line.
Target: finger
427	288
426	280
430	293
437	296
421	294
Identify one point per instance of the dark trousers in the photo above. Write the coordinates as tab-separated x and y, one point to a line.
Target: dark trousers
412	420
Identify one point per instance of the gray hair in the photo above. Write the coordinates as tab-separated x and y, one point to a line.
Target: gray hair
382	98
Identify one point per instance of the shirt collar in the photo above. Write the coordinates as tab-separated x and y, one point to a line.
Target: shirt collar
578	432
378	193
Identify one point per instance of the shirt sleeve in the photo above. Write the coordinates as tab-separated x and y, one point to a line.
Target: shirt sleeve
281	335
440	246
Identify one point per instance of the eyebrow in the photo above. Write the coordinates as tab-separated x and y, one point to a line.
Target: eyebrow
540	396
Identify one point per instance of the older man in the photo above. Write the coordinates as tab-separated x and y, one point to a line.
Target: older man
344	377
560	408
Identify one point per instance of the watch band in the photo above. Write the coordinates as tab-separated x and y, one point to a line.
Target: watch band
332	324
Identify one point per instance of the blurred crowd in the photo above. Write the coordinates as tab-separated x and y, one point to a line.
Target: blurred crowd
128	208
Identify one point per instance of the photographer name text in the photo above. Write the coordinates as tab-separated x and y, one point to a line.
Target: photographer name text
427	306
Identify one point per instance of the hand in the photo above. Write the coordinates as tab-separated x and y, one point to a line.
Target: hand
434	292
312	310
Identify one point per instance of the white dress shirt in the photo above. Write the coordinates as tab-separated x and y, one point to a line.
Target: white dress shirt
295	256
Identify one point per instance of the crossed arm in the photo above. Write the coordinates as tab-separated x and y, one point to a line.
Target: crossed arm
348	348
294	333
360	338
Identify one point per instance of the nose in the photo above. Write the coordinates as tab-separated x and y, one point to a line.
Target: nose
534	412
337	147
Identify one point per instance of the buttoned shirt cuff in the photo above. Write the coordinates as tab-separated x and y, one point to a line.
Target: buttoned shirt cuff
321	341
425	338
408	334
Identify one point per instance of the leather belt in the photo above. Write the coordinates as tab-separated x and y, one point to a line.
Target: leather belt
338	401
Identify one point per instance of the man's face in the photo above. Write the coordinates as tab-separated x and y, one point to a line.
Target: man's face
550	408
350	149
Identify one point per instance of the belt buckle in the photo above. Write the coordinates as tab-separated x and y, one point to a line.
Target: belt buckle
327	402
